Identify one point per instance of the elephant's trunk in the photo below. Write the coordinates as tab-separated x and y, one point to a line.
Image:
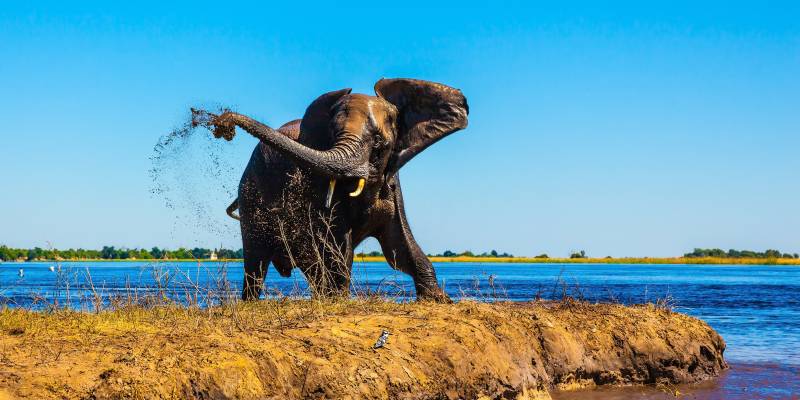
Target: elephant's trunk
346	159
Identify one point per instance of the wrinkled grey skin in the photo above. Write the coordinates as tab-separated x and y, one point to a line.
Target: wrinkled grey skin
343	137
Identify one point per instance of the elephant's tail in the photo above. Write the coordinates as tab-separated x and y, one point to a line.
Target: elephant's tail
233	207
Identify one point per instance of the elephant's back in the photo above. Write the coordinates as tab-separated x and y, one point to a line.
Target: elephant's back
291	130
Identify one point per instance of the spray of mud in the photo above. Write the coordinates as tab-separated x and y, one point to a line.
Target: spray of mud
197	177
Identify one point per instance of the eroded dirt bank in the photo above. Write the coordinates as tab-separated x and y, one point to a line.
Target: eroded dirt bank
305	349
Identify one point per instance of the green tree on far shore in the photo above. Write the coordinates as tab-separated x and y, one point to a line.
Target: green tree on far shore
112	253
578	254
732	253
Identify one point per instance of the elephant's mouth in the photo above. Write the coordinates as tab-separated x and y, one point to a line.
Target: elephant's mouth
332	186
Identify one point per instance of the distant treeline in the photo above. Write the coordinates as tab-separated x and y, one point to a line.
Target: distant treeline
467	253
447	253
719	253
111	253
155	253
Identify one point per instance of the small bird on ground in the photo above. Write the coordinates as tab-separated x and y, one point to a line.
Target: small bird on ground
381	340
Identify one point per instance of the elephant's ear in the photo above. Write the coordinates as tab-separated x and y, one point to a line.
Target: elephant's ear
316	120
427	112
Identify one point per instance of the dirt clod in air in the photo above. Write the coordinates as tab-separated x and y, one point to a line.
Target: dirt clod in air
197	176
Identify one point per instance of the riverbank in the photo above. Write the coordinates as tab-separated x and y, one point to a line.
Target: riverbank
514	260
623	260
308	349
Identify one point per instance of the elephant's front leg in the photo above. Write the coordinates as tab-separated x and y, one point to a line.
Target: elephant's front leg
328	270
403	253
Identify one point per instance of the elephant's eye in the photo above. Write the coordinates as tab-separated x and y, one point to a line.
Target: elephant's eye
378	141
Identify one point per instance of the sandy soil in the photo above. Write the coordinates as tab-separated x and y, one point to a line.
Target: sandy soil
308	349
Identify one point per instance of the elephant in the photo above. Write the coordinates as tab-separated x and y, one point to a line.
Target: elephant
318	186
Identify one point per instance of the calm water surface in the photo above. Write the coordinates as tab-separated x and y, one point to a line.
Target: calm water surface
756	309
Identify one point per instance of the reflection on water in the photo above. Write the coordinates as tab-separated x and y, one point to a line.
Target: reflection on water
756	309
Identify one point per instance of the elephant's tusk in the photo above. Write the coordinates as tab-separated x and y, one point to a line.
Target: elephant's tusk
361	182
329	197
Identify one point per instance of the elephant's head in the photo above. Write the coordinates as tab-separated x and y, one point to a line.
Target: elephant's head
373	136
365	139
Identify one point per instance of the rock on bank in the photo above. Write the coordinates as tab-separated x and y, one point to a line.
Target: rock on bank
307	349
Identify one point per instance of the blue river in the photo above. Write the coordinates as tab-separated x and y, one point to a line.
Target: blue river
756	309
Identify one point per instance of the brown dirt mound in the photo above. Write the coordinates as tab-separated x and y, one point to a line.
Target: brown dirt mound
308	349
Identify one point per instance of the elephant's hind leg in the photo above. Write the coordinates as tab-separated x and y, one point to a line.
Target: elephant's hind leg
256	261
258	249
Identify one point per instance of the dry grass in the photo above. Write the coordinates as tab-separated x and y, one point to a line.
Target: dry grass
235	316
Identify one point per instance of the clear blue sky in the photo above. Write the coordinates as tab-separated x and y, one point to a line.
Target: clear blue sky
638	128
